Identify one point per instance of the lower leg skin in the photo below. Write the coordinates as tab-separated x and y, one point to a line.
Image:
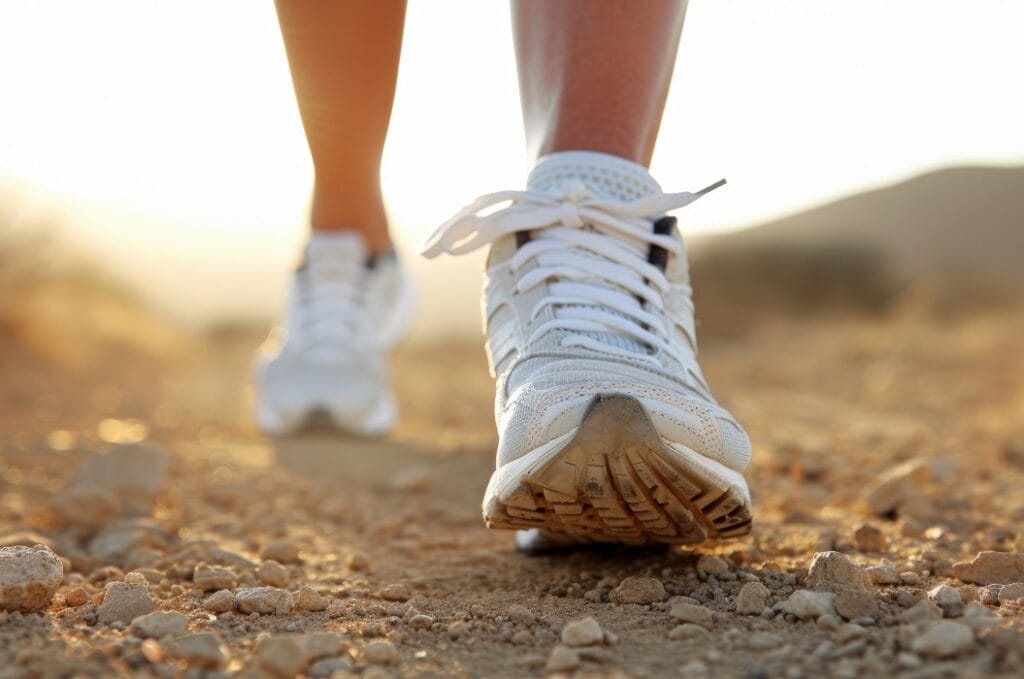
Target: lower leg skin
594	74
344	62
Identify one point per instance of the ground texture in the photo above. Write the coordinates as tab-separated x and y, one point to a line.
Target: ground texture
888	453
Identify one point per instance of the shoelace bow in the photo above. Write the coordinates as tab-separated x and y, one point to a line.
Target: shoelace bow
588	293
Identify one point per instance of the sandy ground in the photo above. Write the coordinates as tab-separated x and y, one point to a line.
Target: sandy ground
407	580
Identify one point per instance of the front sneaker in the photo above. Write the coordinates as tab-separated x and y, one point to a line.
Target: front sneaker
346	311
607	429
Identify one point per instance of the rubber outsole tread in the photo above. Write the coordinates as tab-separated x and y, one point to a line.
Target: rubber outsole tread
616	482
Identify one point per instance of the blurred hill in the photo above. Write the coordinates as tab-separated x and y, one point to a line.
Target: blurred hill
62	316
957	233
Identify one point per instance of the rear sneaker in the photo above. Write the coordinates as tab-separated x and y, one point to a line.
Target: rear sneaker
607	429
346	311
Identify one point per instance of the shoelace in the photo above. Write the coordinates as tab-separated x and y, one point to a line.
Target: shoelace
327	302
596	284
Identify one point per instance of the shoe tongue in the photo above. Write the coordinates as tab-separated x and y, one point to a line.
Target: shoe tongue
335	254
604	175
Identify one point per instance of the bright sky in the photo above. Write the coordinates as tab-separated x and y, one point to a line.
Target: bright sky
166	135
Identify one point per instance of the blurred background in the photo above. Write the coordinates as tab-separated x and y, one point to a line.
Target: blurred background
160	142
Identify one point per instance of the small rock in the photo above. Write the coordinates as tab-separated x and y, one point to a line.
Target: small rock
829	622
910	578
358	562
121	537
123	602
562	659
948	599
329	667
380	653
978	616
308	599
585	632
849	632
135	578
687	631
29	577
710	564
121	483
521	614
922	610
1011	593
989	595
989	568
889	491
76	596
884	574
808	605
833	572
219	602
856	603
203	650
869	538
695	669
280	655
159	624
457	630
211	578
692	613
638	590
763	641
595	654
420	621
282	551
318	645
396	592
266	600
273	574
944	639
752	599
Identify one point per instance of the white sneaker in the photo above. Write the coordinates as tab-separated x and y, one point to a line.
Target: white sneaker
346	311
607	429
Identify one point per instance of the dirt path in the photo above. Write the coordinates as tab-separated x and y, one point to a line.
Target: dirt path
409	583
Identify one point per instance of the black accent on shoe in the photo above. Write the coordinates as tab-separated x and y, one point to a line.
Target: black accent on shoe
658	256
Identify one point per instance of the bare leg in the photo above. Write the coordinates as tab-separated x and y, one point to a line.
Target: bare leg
594	74
344	61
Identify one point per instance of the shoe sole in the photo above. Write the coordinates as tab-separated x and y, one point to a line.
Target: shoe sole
615	480
370	420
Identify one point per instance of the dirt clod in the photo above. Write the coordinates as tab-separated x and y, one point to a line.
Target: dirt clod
638	590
